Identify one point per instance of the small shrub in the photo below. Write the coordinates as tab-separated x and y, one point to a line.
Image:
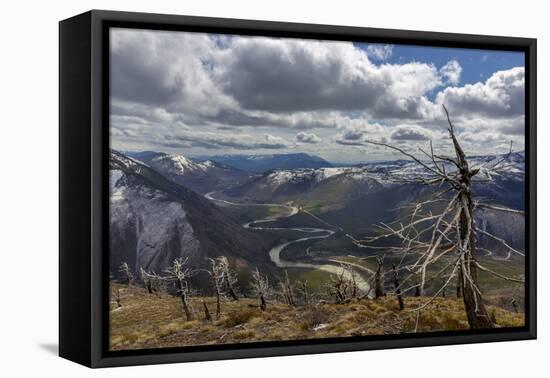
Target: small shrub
239	317
244	334
314	318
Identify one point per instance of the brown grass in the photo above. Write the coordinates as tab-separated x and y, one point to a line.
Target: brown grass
149	321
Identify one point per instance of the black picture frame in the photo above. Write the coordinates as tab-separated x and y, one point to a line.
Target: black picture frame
83	142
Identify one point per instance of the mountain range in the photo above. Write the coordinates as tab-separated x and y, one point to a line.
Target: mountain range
201	176
159	211
154	220
262	163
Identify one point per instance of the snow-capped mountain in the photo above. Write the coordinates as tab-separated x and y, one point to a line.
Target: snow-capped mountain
325	185
154	220
262	163
342	184
202	176
505	166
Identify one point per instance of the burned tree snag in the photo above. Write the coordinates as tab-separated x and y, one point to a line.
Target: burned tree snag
431	234
263	304
182	289
230	287
127	273
302	288
397	288
379	279
458	284
207	316
117	298
229	278
514	305
287	290
179	273
223	281
150	281
260	286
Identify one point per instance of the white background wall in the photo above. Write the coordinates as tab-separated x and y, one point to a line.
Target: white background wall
29	189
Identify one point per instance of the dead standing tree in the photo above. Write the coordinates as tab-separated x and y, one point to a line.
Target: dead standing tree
304	292
451	232
224	281
343	286
151	281
126	272
379	278
229	278
179	273
287	291
217	275
398	288
260	287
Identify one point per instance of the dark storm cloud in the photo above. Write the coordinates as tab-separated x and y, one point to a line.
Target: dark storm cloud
190	84
141	77
287	76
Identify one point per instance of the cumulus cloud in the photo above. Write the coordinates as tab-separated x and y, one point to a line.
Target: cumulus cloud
219	141
451	71
379	52
303	137
410	132
251	93
502	95
277	76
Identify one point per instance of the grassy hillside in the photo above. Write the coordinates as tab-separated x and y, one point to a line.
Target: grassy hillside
157	321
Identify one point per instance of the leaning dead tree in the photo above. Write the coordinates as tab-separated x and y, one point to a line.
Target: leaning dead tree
126	272
229	278
179	273
260	287
443	228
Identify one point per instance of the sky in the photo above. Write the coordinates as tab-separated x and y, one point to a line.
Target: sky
200	94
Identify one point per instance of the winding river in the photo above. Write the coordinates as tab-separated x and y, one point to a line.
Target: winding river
275	252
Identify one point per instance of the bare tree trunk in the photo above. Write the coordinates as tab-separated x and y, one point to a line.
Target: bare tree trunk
459	283
379	280
218	304
477	315
207	316
305	293
515	305
119	304
288	290
263	304
398	289
231	289
184	303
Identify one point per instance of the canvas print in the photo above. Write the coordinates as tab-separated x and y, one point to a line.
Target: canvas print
271	189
